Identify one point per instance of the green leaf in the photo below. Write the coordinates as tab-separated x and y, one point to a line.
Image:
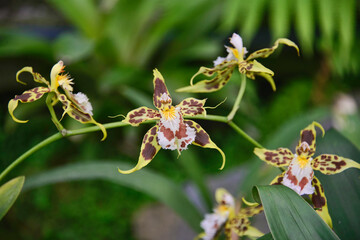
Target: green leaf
280	18
304	24
9	193
266	237
289	216
84	14
343	189
255	13
72	47
145	181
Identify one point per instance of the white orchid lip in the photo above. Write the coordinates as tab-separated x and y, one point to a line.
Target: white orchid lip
299	175
83	101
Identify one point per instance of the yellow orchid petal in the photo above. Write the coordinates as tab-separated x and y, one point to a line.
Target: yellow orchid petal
141	114
192	107
308	137
332	164
36	76
161	94
253	232
79	115
279	158
222	74
320	203
202	139
149	149
26	97
265	52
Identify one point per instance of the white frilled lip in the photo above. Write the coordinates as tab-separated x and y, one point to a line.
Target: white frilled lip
211	224
83	102
299	178
237	42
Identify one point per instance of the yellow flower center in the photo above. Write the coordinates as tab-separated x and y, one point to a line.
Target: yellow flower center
169	113
235	52
223	208
303	161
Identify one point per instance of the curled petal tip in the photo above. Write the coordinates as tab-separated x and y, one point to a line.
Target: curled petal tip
127	171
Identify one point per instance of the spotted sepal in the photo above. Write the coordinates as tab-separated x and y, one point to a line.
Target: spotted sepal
265	52
279	158
26	97
192	107
76	113
319	201
149	149
141	114
159	90
332	164
278	179
36	76
254	68
252	210
240	226
202	139
222	74
308	135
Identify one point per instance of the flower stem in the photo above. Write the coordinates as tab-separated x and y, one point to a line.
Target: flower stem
236	106
52	112
56	137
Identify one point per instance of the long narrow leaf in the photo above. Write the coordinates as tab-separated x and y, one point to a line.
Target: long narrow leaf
342	190
289	216
144	181
9	193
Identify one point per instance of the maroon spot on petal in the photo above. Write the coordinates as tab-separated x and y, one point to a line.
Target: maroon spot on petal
278	181
169	135
181	133
303	182
291	177
202	138
148	152
317	199
338	166
23	97
183	144
307	136
159	89
151	139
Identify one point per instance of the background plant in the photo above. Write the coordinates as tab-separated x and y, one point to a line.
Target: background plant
112	46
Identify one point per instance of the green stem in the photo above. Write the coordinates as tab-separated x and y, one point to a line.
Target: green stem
236	106
69	133
52	113
244	134
58	136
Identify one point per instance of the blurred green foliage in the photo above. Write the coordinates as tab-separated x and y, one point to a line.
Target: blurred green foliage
110	48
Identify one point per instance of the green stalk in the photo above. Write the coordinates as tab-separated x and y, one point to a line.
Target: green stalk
239	97
56	137
52	113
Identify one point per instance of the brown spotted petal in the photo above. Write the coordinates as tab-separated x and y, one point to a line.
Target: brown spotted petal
37	77
278	179
319	201
149	149
202	139
254	68
332	164
240	226
192	107
278	158
251	211
308	135
26	97
141	114
222	74
159	89
265	52
76	113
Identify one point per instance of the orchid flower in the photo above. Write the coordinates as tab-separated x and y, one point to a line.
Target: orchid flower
76	105
225	216
299	175
224	66
172	131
